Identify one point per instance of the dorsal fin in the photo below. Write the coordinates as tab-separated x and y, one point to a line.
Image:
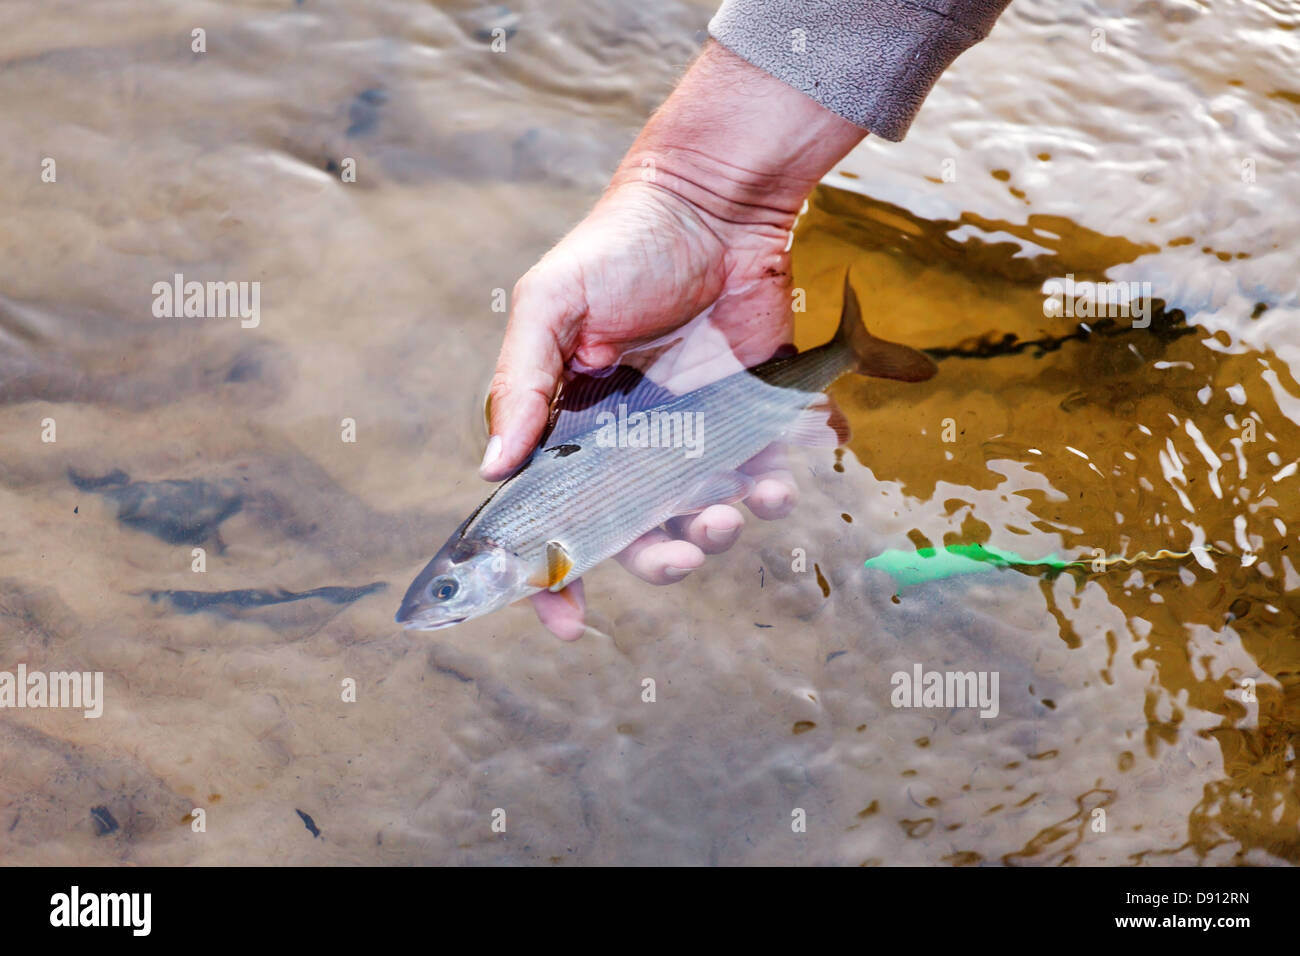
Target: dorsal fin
583	397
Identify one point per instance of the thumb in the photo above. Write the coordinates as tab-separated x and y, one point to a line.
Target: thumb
527	375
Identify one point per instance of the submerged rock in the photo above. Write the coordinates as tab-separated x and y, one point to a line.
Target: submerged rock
104	821
178	512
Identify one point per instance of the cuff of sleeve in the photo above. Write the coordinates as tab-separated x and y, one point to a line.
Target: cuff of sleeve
871	62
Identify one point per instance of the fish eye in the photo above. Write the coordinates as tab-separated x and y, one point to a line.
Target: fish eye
444	588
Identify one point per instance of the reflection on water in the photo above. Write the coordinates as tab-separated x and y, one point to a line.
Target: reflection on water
1111	440
1162	692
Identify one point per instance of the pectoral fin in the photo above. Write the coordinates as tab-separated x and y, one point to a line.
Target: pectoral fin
822	425
558	566
722	488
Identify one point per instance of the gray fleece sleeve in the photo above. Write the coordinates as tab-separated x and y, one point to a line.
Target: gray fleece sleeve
871	61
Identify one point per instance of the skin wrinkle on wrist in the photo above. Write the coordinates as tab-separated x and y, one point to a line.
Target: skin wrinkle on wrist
737	143
712	201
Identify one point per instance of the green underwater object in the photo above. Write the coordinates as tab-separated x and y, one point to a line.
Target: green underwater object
909	568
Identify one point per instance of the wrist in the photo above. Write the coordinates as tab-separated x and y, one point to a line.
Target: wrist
738	144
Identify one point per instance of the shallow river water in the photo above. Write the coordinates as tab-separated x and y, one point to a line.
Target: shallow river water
1148	708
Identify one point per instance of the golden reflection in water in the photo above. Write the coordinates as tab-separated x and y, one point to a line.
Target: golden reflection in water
1125	440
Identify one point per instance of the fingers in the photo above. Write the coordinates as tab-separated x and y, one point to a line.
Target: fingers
659	558
775	493
713	530
542	323
666	556
563	613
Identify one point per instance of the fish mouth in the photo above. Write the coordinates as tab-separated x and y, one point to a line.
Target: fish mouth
418	624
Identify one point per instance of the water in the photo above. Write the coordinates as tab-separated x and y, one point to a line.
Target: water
1163	157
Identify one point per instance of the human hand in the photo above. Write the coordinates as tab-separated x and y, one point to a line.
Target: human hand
679	230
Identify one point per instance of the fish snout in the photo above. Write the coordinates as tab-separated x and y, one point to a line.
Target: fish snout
414	618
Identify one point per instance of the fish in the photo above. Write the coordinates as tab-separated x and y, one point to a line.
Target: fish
592	485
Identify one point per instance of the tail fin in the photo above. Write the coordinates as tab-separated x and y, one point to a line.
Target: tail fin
876	357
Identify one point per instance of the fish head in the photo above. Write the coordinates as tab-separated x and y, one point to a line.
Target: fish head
460	583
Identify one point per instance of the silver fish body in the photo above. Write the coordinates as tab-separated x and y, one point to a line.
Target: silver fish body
588	492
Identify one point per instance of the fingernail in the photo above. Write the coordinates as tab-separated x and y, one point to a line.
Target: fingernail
720	535
677	572
492	454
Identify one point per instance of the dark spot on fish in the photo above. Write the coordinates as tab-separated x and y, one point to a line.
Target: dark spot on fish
363	114
834	654
308	822
1260	309
17	817
870	808
756	624
178	512
848	518
331	166
76	509
803	726
564	451
191	602
104	822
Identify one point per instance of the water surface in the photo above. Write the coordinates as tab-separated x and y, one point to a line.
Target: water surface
1164	157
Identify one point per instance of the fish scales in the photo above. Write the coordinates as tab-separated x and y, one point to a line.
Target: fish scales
616	494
